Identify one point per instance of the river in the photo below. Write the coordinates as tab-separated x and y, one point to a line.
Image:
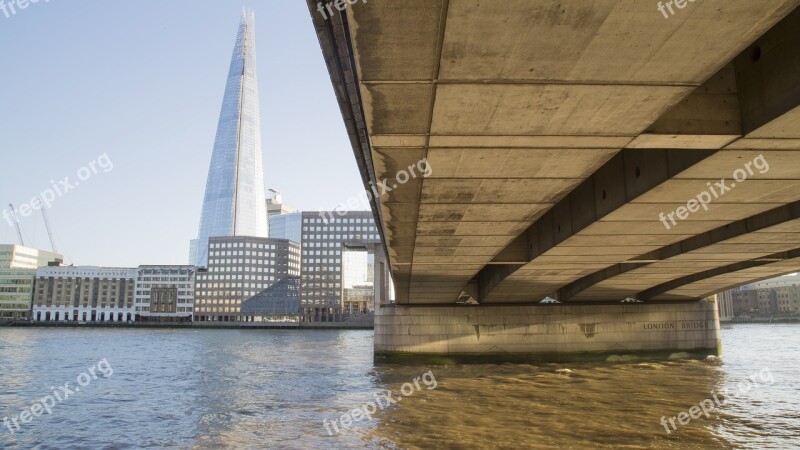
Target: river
133	388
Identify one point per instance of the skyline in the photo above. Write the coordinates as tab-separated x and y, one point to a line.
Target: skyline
140	212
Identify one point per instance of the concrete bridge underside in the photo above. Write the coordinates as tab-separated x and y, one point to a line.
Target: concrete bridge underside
565	141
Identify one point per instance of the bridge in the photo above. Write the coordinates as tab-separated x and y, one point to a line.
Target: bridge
624	158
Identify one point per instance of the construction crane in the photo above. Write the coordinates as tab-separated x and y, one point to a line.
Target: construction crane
47	224
16	223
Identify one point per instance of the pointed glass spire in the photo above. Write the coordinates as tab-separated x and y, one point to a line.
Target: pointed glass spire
234	199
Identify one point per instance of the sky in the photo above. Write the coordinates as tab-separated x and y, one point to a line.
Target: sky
124	97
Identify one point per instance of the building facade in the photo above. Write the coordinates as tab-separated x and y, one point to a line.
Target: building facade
165	293
239	268
20	257
779	295
18	266
287	226
16	291
279	303
234	204
326	236
84	294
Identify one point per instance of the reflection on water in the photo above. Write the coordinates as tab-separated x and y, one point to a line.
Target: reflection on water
273	389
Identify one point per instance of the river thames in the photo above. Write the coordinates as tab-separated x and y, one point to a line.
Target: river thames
131	388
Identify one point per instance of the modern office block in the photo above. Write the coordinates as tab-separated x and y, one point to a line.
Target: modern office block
20	257
240	268
18	266
326	237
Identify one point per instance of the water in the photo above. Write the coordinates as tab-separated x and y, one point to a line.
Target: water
273	389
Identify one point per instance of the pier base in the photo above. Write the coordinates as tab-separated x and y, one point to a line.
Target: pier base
484	333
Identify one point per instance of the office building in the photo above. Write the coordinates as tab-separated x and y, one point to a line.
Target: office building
327	237
239	268
780	295
234	204
165	293
16	290
778	298
20	257
84	294
18	266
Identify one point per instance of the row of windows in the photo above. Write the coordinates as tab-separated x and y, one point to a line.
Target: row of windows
235	285
246	253
86	305
180	292
218	310
328	295
235	269
179	309
340	236
164	285
242	245
17	281
335	245
322	260
243	261
320	285
310	268
217	301
149	275
320	253
14	306
306	230
338	220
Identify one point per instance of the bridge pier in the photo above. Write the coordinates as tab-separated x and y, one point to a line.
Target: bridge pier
555	332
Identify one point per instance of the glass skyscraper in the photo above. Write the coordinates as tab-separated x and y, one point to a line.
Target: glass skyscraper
234	199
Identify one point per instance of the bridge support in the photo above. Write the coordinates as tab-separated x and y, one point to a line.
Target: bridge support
611	332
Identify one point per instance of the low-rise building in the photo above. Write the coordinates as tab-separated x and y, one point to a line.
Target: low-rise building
84	294
165	293
780	295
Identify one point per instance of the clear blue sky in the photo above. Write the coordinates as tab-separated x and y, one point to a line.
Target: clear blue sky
143	82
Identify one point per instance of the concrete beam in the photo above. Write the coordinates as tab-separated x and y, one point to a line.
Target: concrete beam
705	274
767	74
623	178
776	216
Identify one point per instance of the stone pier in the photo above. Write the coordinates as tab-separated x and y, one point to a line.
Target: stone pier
611	332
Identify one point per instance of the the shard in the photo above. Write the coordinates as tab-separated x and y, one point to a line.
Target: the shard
234	199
